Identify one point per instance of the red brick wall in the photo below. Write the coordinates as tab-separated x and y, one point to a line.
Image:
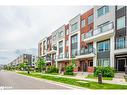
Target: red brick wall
87	27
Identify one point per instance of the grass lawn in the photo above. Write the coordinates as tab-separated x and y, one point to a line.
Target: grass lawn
77	82
91	76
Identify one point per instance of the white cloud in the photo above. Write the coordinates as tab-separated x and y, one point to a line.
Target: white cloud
22	27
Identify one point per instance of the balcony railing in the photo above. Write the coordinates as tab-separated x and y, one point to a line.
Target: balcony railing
99	30
121	43
48	59
85	51
61	56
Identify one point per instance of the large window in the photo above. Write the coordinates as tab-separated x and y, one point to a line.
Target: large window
103	46
61	33
119	7
121	22
102	11
104	62
60	47
120	43
74	45
83	23
74	26
90	19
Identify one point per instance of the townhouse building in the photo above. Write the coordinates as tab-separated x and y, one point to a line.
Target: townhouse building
97	37
24	58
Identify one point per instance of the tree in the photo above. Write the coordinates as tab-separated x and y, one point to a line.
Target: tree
22	66
41	64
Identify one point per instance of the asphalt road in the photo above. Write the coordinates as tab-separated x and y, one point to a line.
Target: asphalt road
12	80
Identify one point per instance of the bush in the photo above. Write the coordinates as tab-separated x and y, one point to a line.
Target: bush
52	69
105	71
69	70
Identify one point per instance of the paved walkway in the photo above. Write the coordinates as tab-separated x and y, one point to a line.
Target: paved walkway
117	81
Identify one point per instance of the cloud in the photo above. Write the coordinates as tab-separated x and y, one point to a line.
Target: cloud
22	27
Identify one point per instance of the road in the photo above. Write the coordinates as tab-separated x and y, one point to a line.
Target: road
12	80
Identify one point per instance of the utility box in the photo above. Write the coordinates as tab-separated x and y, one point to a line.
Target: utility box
100	78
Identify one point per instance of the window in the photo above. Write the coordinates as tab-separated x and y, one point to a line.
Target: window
66	42
74	45
89	34
74	26
120	43
60	47
90	19
83	23
102	11
103	46
82	36
121	22
61	34
119	7
104	62
67	32
54	37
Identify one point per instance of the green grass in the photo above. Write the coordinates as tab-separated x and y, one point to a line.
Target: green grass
91	76
77	82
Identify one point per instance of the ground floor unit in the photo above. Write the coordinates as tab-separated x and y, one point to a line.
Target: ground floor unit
87	64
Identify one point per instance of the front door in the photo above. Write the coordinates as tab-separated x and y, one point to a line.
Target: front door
121	64
85	67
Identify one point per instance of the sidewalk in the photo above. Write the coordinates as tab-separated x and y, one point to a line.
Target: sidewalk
95	80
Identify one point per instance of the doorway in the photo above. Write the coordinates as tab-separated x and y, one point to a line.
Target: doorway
83	66
121	62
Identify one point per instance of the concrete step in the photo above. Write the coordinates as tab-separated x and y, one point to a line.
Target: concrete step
119	75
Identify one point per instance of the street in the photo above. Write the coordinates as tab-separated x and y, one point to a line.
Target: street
12	80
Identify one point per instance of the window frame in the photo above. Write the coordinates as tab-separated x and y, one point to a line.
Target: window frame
118	22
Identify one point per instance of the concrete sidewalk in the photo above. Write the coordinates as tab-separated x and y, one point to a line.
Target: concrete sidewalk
117	81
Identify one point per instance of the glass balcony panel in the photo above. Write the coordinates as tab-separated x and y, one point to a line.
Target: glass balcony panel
97	31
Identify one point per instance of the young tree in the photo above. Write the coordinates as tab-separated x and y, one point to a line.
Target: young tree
73	63
22	66
41	64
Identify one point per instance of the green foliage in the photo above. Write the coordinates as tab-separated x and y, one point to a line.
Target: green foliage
22	66
41	64
69	70
73	63
52	69
105	71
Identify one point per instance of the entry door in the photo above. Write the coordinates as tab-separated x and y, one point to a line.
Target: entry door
85	67
121	64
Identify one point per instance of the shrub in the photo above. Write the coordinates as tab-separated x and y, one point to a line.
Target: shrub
69	70
52	69
105	71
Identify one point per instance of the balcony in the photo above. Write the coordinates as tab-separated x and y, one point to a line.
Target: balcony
53	50
104	31
63	57
86	52
121	45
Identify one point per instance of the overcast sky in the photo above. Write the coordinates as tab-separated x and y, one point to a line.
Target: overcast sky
21	28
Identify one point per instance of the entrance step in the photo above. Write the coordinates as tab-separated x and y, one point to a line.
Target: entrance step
119	75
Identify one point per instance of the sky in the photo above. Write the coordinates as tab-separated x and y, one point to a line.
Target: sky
22	27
